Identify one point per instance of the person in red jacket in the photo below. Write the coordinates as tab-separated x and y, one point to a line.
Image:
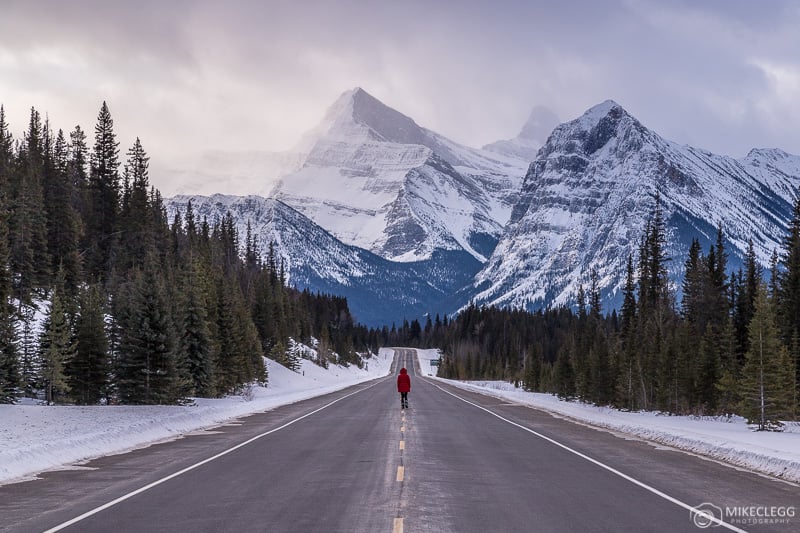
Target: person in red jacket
403	387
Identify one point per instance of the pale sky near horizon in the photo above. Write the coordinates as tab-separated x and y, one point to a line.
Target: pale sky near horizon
189	76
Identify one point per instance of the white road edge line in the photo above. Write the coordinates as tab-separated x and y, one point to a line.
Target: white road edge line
613	470
197	465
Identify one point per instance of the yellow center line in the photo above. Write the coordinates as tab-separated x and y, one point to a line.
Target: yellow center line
402	445
400	473
398	525
402	428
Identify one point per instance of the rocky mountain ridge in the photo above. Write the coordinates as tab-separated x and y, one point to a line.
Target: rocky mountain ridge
404	221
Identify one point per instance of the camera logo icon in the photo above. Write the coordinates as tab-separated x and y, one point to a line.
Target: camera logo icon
706	515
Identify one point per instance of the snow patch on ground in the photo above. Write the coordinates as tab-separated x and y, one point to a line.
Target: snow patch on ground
36	438
730	440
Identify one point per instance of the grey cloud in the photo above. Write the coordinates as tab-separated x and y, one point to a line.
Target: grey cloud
189	76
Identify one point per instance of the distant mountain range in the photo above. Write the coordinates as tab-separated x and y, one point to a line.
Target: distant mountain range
404	221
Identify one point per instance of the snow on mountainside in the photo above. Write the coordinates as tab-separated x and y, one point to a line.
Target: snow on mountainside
377	180
378	291
589	193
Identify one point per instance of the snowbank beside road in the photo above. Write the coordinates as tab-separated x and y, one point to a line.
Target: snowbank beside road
720	438
35	438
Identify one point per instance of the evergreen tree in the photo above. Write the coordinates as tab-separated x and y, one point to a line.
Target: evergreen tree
27	221
77	162
565	375
767	377
788	289
88	370
746	287
104	198
9	364
136	220
147	371
196	339
63	224
56	346
693	284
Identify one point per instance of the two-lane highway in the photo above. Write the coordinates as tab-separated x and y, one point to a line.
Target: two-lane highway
354	461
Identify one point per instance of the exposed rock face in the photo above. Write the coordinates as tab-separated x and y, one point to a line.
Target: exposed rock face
403	221
377	180
588	195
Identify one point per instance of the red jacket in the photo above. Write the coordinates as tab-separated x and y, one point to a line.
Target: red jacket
403	381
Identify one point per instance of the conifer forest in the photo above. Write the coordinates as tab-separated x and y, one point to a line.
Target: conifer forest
731	345
104	300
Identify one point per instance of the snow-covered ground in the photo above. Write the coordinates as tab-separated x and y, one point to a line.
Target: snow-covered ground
35	438
728	440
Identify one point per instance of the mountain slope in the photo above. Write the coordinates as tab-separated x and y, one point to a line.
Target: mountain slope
377	180
379	291
586	199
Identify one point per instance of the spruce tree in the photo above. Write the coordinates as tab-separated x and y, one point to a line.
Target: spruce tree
9	365
27	221
77	162
692	284
147	370
62	219
136	221
767	377
788	288
89	368
196	338
104	197
56	345
564	375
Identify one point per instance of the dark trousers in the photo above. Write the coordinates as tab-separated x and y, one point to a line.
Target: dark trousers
404	398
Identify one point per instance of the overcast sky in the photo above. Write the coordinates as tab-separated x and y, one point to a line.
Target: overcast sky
190	76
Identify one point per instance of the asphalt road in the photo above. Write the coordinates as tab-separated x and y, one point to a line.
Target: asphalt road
353	461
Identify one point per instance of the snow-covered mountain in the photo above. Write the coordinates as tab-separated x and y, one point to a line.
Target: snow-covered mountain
588	194
532	136
375	179
379	291
403	221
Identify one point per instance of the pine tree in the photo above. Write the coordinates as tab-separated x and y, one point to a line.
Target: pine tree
788	289
692	284
88	370
196	339
77	161
56	346
9	364
62	219
767	376
104	197
655	311
564	375
136	220
27	221
147	372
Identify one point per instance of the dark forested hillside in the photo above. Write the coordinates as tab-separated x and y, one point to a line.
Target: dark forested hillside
102	299
730	346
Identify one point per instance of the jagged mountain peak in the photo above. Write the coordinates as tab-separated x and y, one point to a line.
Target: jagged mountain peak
357	116
596	128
